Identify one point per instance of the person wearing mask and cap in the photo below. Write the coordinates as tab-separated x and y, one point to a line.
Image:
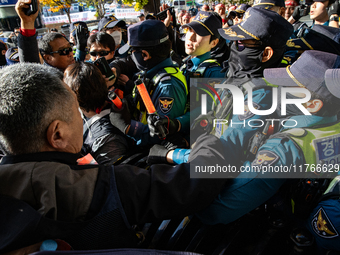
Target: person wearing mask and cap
150	45
12	56
114	27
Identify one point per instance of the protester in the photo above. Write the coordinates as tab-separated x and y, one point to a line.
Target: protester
103	141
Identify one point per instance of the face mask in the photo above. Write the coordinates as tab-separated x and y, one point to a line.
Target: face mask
117	36
137	58
291	109
244	64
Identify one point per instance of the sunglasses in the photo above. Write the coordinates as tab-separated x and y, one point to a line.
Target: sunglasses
99	53
241	46
63	52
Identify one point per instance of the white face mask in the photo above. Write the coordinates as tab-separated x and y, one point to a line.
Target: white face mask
117	36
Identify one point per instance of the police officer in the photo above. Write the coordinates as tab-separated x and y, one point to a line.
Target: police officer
248	58
311	142
273	5
201	37
167	87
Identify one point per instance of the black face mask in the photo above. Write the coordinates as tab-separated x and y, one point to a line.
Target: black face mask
247	64
291	109
140	63
143	65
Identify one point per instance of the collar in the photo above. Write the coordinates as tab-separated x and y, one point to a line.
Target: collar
153	71
312	120
51	156
199	59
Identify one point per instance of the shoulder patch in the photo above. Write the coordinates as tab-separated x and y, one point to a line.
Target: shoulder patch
265	158
247	113
322	225
165	104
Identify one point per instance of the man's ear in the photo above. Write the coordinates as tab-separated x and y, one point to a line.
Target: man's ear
315	105
47	58
213	43
267	54
3	52
56	135
146	55
282	11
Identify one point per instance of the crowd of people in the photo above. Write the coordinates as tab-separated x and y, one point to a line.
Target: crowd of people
247	86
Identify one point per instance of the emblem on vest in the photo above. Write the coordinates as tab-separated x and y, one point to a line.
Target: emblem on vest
165	104
322	226
265	158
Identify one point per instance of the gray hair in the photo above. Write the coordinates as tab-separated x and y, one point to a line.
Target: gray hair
32	96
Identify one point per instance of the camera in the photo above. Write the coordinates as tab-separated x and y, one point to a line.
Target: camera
104	68
163	14
33	8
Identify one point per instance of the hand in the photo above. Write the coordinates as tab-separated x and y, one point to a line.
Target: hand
300	11
203	123
122	79
157	154
334	8
81	37
27	22
109	83
121	118
168	18
156	124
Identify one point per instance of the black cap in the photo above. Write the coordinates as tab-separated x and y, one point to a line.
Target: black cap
141	15
74	26
267	4
205	23
147	33
309	72
332	79
12	56
110	22
150	16
240	9
319	37
262	25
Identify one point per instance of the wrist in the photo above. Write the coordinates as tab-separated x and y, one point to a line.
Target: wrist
169	156
334	18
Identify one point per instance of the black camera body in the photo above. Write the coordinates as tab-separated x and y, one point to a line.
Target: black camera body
32	9
163	14
104	68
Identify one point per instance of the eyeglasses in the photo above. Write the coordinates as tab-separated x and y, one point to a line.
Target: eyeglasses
63	52
239	15
100	53
241	46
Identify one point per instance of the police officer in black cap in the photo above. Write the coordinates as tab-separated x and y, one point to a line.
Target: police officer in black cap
150	45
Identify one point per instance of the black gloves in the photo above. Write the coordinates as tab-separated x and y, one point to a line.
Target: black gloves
81	37
334	8
156	124
203	123
157	154
300	11
120	118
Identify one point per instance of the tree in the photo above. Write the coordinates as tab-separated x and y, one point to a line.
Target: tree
58	5
148	6
99	5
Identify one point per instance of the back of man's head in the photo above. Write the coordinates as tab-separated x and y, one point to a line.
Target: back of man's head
31	97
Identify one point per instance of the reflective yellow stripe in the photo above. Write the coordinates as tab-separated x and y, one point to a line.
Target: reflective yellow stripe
293	78
203	26
248	32
178	75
